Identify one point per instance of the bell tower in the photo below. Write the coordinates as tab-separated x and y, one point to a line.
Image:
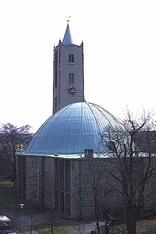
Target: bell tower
68	72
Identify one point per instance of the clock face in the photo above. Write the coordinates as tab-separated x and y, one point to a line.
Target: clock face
71	90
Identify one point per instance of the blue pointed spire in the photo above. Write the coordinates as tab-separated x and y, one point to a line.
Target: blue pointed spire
67	40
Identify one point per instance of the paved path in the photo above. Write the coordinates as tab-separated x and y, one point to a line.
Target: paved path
29	232
22	223
146	227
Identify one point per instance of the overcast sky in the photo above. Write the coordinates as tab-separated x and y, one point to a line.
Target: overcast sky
119	55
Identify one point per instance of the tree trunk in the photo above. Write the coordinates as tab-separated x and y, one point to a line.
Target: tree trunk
97	214
130	220
97	225
14	167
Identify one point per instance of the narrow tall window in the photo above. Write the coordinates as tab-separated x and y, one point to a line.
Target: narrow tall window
71	58
71	78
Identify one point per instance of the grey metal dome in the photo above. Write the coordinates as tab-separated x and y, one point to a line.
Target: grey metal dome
71	130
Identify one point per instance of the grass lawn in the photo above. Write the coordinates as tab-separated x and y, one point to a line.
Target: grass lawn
8	197
47	229
8	200
5	183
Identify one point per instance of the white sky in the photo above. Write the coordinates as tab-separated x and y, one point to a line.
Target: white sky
119	55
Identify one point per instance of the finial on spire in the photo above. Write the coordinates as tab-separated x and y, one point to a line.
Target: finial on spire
67	40
68	17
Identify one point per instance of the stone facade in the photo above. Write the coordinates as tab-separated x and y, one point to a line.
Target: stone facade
89	176
68	185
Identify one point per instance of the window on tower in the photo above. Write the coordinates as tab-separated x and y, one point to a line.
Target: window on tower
71	78
71	58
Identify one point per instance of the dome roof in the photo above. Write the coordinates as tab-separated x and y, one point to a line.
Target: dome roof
71	130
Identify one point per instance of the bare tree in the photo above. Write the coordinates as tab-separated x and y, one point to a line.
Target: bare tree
13	140
132	149
98	188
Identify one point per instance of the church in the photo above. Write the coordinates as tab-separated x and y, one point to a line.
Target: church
67	154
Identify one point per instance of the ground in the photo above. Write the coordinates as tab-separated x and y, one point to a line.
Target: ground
41	220
146	226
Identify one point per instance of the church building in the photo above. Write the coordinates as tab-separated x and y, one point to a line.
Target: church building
68	153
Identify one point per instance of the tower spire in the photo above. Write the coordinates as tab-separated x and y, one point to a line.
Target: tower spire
67	36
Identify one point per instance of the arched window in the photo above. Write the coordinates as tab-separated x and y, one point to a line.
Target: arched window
71	78
71	58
